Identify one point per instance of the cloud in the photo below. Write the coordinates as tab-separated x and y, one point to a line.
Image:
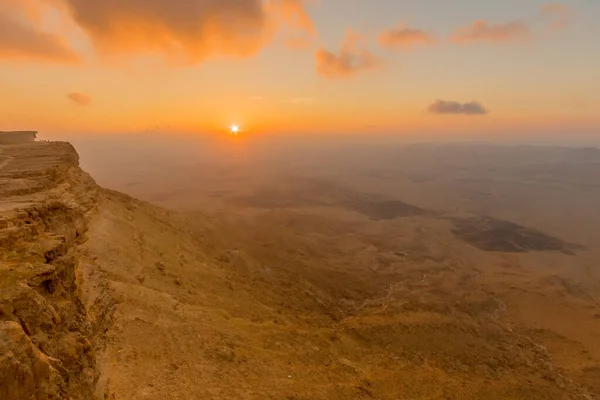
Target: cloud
187	30
79	99
21	40
295	14
454	107
351	59
300	26
556	16
402	37
482	31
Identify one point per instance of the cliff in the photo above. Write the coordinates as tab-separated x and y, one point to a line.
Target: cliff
48	340
93	283
16	137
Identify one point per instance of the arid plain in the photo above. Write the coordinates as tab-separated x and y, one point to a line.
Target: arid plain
438	270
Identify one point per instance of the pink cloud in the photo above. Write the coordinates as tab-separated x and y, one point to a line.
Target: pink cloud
350	60
79	99
556	16
402	37
482	31
455	107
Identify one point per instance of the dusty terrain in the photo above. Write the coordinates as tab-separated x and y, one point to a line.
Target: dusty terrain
411	273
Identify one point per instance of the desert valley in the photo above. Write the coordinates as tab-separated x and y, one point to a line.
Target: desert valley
423	271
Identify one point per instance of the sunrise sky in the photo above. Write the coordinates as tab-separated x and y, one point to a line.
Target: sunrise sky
342	66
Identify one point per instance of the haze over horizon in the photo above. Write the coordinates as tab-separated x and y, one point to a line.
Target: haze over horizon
465	70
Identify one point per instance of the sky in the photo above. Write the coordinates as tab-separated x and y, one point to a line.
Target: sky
483	68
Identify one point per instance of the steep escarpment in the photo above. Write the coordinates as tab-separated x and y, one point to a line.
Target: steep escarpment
48	343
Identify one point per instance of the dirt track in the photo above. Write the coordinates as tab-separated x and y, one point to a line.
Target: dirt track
6	159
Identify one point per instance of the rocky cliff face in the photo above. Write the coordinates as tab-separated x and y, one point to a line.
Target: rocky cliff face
48	340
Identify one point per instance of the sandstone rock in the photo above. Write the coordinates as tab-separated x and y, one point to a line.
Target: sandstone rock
46	336
161	266
25	372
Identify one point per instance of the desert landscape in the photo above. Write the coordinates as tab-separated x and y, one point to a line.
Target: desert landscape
424	271
299	200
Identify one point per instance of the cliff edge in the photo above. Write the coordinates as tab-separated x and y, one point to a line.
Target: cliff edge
48	341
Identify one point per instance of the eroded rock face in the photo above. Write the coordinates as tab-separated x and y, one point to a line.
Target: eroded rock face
26	373
47	344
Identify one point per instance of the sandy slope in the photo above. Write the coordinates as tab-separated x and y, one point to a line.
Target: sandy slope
291	312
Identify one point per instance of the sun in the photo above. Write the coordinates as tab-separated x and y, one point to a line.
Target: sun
234	129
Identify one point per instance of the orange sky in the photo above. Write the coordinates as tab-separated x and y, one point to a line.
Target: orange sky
347	66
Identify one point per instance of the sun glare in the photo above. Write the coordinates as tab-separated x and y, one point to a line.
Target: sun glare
234	129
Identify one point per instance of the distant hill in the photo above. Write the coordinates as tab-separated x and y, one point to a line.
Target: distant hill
586	154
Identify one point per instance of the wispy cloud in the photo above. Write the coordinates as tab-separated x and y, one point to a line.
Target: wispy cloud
405	38
79	99
455	107
351	59
556	16
483	31
21	39
298	24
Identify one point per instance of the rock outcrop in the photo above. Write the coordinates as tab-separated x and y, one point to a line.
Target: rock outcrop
48	342
15	137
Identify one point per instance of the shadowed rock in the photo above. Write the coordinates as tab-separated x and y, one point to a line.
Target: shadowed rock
383	210
490	234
